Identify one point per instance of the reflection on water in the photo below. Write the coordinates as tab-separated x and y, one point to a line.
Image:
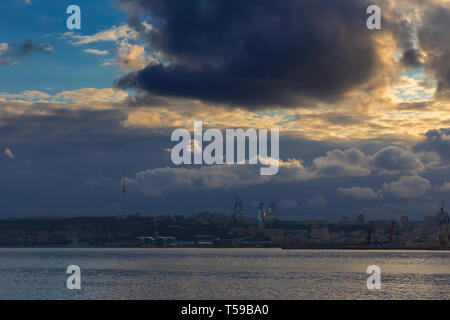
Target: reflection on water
223	274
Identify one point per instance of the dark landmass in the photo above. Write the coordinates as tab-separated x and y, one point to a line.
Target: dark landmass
214	230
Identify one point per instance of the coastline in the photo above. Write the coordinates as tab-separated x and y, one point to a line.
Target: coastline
355	248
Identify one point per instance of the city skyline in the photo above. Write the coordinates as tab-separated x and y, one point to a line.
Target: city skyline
220	230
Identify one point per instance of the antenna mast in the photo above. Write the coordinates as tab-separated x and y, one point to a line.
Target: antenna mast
124	190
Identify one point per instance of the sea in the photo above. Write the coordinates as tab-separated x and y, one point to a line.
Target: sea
239	274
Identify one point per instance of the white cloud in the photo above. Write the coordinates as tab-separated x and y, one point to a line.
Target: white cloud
3	47
408	187
9	153
335	164
97	52
132	57
38	103
413	88
360	193
30	95
445	187
159	180
112	35
393	159
339	163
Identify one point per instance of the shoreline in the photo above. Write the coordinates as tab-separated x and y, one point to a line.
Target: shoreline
280	248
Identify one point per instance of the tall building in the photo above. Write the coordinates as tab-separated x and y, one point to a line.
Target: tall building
360	219
238	212
429	225
345	220
261	215
429	222
320	234
404	222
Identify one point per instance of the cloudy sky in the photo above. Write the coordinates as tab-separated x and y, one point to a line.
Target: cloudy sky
363	114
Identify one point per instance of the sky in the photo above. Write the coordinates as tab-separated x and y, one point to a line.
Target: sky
362	114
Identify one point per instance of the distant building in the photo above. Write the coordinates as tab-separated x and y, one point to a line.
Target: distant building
296	234
429	228
360	219
238	212
383	224
404	222
219	218
429	222
276	235
316	222
320	234
344	220
169	218
160	241
204	216
209	217
240	231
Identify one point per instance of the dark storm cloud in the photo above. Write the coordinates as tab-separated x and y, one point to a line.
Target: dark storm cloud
403	30
254	53
395	159
61	124
70	162
438	141
434	37
7	51
422	105
411	58
28	47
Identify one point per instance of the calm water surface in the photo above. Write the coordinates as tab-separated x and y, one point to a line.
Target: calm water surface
223	274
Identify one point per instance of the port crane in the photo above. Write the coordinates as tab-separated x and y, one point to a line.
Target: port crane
238	212
272	215
261	215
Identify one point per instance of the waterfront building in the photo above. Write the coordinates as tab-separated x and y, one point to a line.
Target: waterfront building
360	219
320	234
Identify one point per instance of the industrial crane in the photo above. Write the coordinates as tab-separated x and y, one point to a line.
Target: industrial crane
261	216
272	213
238	212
